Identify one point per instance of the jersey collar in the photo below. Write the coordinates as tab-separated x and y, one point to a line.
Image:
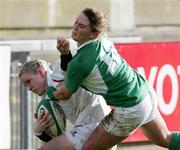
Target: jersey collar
86	43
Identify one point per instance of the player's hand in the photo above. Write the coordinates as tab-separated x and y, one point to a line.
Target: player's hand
53	93
62	45
42	122
63	93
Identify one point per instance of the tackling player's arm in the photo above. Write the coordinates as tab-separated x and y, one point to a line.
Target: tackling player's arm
63	46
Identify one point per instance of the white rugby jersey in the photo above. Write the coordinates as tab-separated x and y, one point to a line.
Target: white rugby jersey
83	107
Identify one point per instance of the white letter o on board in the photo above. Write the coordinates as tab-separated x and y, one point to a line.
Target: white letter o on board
167	108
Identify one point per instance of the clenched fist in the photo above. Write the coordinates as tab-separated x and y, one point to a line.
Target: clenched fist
62	45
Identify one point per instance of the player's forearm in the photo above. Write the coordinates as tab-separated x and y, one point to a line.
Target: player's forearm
65	59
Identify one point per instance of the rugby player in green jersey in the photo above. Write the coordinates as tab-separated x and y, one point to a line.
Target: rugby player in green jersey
100	69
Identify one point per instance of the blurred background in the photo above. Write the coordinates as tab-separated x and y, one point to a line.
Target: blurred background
29	29
153	20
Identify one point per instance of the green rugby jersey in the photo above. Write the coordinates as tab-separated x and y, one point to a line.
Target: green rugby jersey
100	69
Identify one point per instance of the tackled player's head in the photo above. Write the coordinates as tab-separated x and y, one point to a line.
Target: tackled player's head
32	66
33	75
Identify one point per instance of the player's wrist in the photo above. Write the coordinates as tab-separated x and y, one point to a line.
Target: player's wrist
38	130
65	52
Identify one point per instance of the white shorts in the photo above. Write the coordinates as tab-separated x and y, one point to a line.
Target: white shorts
123	122
79	134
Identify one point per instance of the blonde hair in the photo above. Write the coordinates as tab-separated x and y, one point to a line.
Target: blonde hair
32	66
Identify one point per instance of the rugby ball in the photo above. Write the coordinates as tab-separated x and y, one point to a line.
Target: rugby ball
55	110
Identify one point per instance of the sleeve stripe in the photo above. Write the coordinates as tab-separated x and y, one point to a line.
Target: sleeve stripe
57	80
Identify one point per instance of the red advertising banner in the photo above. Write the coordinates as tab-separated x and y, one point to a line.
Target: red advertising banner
159	63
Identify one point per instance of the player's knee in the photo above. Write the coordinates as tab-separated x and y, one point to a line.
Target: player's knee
164	142
87	146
